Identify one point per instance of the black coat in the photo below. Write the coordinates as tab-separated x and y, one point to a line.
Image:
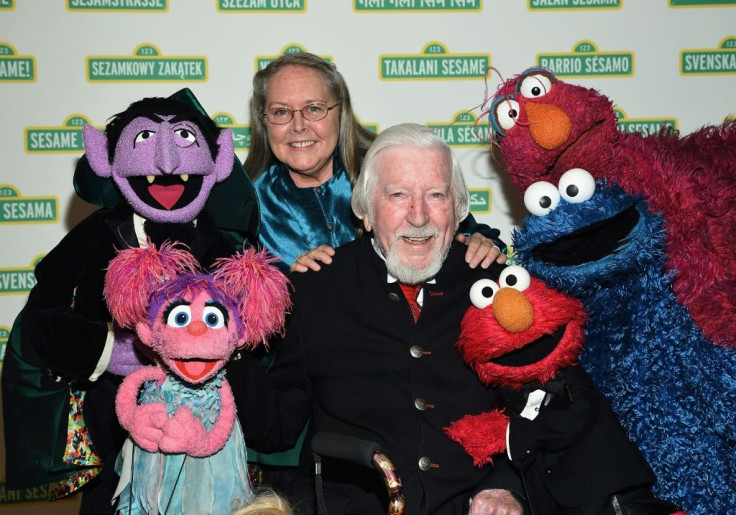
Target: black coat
377	375
575	451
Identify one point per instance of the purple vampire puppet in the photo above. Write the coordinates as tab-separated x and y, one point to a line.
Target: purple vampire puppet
64	356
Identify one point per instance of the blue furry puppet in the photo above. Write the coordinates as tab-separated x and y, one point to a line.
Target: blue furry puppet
556	427
672	390
156	164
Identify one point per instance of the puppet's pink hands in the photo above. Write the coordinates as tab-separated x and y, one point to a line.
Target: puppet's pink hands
481	436
146	425
183	433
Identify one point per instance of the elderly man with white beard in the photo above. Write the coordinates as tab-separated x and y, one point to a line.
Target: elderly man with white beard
377	331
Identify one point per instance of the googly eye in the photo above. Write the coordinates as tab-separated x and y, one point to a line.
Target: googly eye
185	137
213	317
507	111
482	293
515	277
576	185
541	197
143	136
535	86
180	316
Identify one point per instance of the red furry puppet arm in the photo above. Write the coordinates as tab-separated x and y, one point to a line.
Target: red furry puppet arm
482	436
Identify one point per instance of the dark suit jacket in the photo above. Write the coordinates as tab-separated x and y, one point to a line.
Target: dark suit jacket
376	375
575	451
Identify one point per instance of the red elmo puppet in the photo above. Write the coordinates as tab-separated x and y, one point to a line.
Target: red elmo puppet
556	427
545	127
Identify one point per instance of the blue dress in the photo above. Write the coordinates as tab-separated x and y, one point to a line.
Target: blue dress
178	483
295	220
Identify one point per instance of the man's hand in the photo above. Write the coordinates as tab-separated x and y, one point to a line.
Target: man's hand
495	502
312	258
481	250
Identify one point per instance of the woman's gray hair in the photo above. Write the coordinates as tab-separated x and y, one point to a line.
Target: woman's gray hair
353	139
406	135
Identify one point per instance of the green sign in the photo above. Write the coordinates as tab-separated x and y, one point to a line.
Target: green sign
22	495
480	200
718	61
16	68
117	5
7	4
146	65
281	6
586	61
701	3
434	63
644	126
463	131
49	140
15	209
416	5
541	5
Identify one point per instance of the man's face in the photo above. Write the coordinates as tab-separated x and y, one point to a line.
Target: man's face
413	211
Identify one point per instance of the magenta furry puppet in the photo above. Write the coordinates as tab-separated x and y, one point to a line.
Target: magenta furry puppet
186	452
545	127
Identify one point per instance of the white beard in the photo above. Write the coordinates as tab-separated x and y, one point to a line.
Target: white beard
408	274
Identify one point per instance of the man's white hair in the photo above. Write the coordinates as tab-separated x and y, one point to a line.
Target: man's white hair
406	135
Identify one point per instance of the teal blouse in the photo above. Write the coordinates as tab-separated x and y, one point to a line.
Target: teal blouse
295	220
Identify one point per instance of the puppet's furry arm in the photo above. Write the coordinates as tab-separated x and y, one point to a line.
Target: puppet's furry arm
481	436
184	433
143	422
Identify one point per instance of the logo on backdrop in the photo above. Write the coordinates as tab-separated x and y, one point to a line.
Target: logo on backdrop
701	3
26	495
644	126
118	5
146	64
261	6
562	5
56	140
433	63
7	5
14	281
4	334
241	133
417	5
586	60
716	61
480	200
292	48
14	67
15	209
463	131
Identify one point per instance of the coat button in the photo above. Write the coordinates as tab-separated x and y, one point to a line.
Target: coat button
424	463
548	470
318	190
420	404
330	227
393	297
416	351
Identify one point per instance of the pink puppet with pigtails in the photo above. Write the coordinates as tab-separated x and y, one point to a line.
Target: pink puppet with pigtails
186	452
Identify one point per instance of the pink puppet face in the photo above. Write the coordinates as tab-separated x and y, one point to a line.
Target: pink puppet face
519	330
194	334
164	166
545	127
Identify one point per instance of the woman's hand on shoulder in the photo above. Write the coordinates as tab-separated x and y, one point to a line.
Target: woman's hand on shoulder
481	250
311	259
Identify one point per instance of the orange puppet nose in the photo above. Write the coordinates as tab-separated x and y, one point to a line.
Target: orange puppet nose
549	125
197	328
512	310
